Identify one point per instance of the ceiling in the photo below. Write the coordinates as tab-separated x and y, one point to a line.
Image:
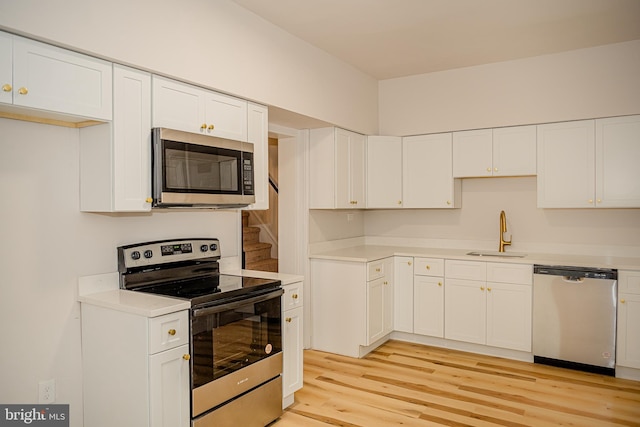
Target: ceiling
396	38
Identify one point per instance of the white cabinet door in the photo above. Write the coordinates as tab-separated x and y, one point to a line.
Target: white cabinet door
618	162
427	175
350	169
628	335
115	158
428	309
225	116
403	294
472	153
6	68
514	151
384	172
465	310
169	388
566	164
49	78
178	106
509	316
376	309
292	340
258	128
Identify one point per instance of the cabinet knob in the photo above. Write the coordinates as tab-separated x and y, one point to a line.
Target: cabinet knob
211	127
385	283
439	283
409	262
288	319
482	288
495	169
203	126
590	201
622	301
294	296
186	356
599	200
488	169
149	200
448	202
399	202
428	267
172	332
23	91
377	270
6	87
489	289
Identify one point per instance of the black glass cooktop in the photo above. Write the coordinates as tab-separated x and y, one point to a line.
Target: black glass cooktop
210	288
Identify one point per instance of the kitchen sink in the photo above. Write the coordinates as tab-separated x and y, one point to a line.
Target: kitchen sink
497	254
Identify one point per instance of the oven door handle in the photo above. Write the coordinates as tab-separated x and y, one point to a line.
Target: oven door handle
237	302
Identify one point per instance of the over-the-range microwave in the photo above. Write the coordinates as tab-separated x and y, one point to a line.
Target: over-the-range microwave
194	170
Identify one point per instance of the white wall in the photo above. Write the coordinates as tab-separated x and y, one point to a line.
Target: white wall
214	43
580	84
47	243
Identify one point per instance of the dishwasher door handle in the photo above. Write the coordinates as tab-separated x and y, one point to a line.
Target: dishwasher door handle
572	279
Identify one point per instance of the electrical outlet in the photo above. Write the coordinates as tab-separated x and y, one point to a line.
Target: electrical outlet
47	391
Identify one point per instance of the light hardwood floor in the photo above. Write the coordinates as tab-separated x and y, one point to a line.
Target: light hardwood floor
414	385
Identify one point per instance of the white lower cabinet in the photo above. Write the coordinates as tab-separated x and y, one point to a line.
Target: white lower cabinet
489	303
135	369
292	341
428	294
351	304
403	294
628	335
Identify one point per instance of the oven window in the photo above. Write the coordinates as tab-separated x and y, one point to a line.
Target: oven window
195	168
229	340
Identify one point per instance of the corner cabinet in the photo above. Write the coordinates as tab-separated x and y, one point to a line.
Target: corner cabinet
115	157
135	369
508	151
40	76
589	163
336	169
628	335
427	175
190	108
292	339
384	172
351	305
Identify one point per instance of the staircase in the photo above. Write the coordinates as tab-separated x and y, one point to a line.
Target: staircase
257	254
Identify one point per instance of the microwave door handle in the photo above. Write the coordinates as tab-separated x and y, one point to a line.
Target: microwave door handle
236	303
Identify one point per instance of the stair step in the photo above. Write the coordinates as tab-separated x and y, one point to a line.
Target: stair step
270	264
250	235
256	251
245	218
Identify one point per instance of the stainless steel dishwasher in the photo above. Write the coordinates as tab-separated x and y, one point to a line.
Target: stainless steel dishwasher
574	317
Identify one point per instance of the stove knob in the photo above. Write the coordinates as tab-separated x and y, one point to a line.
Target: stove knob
214	246
135	255
204	248
148	253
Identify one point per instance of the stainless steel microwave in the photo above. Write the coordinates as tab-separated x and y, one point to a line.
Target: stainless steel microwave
193	170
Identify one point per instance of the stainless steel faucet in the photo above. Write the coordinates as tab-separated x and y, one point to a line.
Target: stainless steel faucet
503	229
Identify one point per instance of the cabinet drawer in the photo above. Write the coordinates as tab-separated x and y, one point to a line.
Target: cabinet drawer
168	331
521	274
467	270
629	281
292	297
428	267
375	270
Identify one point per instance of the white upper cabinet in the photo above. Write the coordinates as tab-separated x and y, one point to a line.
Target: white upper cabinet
115	157
189	108
509	151
44	77
618	162
384	172
336	169
427	176
6	70
589	163
566	164
258	135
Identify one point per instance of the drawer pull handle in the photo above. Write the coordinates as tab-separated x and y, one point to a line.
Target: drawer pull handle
377	270
172	332
186	356
294	296
288	320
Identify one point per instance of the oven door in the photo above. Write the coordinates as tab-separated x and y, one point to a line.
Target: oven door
236	346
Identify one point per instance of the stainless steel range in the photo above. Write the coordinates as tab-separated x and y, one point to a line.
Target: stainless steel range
236	333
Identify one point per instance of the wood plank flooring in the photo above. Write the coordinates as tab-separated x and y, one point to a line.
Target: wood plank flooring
416	386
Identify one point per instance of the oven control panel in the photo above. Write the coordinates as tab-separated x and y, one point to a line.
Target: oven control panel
165	251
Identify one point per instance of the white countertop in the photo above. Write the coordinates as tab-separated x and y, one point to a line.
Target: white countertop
103	290
367	253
